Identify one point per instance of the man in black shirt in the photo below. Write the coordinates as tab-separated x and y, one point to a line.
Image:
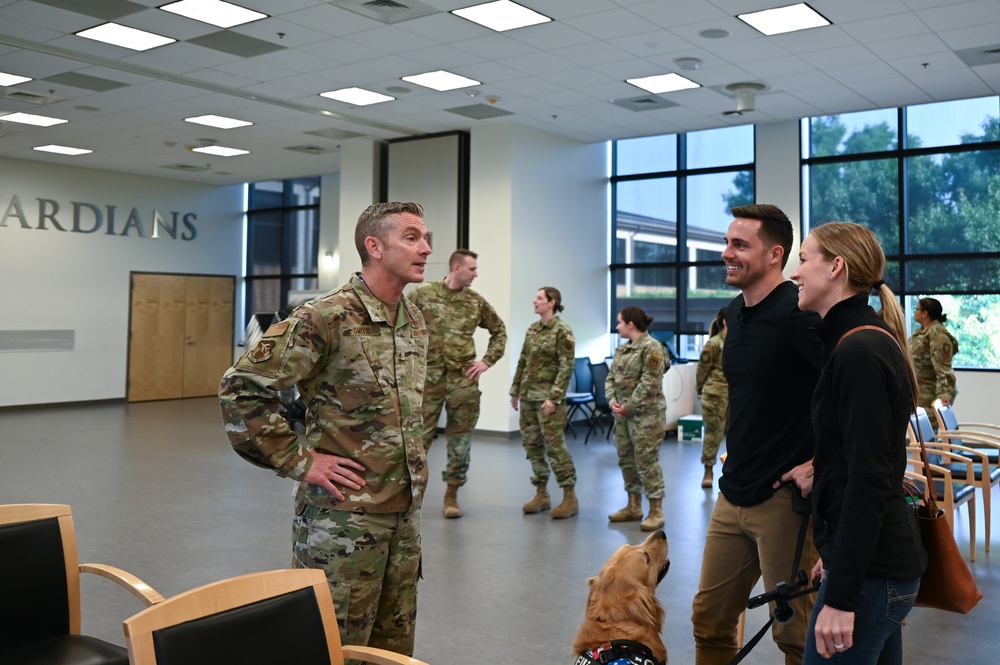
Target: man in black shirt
772	362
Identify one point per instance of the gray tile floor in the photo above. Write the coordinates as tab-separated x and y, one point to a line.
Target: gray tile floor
156	490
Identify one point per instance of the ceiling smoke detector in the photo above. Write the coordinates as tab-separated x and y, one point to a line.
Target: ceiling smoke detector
745	95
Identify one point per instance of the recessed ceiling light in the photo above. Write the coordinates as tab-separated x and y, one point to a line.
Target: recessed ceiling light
784	19
219	121
441	80
215	12
32	119
663	83
62	149
11	79
357	96
501	15
124	36
220	151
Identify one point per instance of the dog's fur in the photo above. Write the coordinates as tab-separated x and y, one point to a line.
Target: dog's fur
622	604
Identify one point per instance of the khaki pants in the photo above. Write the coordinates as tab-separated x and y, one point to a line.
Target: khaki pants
741	545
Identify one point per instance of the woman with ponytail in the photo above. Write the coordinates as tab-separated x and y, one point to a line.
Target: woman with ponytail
866	534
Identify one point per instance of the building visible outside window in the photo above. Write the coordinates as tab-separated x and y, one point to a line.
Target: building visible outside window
931	193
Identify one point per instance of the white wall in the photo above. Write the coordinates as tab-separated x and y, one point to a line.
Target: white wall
65	280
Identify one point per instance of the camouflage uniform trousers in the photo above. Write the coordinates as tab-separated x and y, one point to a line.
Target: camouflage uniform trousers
715	413
372	562
637	440
460	395
544	440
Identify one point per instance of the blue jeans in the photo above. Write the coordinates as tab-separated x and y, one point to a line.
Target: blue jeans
878	637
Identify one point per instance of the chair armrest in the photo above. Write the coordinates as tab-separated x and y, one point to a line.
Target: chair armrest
954	458
987	440
987	426
378	656
137	587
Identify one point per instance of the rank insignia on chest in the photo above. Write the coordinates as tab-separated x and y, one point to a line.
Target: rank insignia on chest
262	351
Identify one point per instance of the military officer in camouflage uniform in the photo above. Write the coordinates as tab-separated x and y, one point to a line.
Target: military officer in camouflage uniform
932	348
714	390
357	356
453	311
539	388
634	388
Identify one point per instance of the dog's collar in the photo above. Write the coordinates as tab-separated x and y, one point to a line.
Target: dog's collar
619	652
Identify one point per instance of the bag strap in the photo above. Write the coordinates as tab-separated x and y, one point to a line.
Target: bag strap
932	498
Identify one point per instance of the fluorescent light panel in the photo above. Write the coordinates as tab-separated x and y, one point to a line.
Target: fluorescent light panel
62	149
215	12
663	83
441	80
784	19
219	121
221	151
357	96
501	15
124	36
32	119
11	79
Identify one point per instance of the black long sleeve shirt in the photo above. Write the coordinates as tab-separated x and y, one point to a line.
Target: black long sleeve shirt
771	361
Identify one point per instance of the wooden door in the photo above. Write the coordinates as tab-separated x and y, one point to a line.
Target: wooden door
180	335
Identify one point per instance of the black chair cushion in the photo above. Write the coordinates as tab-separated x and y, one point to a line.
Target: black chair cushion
34	599
65	650
246	635
960	471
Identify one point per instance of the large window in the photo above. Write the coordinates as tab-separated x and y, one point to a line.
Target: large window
926	180
282	237
671	199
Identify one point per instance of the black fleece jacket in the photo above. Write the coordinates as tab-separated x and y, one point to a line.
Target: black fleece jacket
862	525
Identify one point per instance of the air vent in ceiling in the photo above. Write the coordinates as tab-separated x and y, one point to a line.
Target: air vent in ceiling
479	111
311	149
644	103
29	97
335	134
387	11
185	167
981	55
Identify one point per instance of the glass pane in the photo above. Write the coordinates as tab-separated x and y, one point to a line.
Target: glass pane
709	199
264	243
303	236
975	323
647	217
265	195
944	275
952	123
853	133
864	192
953	202
263	295
649	154
652	289
707	293
303	191
720	147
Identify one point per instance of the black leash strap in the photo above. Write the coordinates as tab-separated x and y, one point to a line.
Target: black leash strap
781	595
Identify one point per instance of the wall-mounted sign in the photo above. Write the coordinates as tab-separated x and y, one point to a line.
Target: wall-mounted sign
80	217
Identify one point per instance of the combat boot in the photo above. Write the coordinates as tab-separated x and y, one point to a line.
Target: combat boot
654	520
706	482
568	507
451	508
630	513
540	502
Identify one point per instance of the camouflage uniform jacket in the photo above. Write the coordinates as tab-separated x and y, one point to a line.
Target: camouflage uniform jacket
709	379
932	348
452	317
636	376
362	381
546	362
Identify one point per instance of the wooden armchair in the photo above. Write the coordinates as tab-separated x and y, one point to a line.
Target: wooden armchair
40	590
981	435
951	494
280	616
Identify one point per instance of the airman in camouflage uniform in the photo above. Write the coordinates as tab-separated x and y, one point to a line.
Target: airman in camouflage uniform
539	392
711	384
634	389
453	311
357	356
932	348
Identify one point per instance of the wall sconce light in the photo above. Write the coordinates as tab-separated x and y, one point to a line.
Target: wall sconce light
328	261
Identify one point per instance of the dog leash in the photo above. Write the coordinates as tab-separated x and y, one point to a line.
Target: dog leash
785	591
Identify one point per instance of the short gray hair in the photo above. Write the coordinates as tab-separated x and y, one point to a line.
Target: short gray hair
375	221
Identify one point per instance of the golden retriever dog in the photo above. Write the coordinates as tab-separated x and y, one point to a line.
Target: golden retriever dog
623	614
